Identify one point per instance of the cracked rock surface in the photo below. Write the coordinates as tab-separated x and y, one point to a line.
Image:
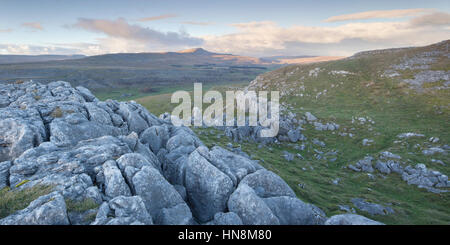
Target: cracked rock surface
138	168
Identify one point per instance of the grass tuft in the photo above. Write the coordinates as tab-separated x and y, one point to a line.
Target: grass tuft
14	200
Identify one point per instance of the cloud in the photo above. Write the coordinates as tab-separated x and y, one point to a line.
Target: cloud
35	50
198	23
120	29
267	37
159	17
433	19
33	25
6	30
263	38
378	14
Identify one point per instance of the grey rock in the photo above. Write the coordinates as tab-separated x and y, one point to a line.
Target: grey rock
98	115
336	181
132	207
364	165
87	95
350	219
346	208
134	160
318	142
130	112
115	184
251	209
156	137
182	191
207	187
288	156
382	167
229	218
17	136
395	167
367	142
234	166
104	214
433	150
267	184
81	218
292	211
310	117
4	173
177	215
75	127
434	139
387	154
94	194
409	135
371	208
294	135
46	210
156	192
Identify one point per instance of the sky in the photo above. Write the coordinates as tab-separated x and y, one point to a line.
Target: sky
243	27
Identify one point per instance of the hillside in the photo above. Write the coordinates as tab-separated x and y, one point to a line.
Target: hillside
132	75
368	134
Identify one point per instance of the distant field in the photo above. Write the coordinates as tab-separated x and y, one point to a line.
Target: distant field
139	71
158	102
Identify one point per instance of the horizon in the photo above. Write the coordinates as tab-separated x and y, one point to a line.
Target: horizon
200	48
252	28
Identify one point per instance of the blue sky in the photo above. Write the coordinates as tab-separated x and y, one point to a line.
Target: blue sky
264	27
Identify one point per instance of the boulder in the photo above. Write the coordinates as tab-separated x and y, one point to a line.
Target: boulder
250	208
267	184
132	207
155	191
177	215
350	219
371	208
207	187
17	136
292	211
156	137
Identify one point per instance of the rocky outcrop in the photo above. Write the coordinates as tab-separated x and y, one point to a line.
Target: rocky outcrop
140	169
350	219
419	175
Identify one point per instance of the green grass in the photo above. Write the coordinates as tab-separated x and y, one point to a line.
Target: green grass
80	206
14	200
160	103
411	205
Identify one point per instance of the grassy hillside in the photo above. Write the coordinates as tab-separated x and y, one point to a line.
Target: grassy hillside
359	87
382	86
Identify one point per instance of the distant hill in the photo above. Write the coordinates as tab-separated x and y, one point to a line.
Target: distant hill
12	59
141	71
300	59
